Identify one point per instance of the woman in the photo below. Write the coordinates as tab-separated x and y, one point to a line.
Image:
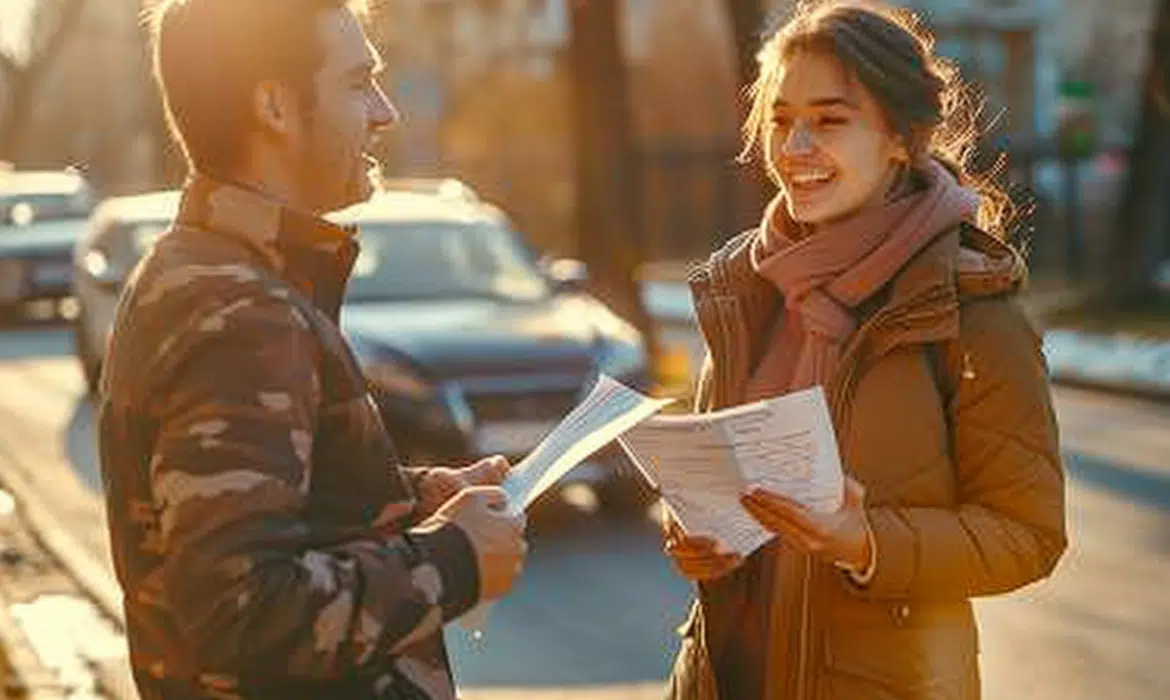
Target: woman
878	273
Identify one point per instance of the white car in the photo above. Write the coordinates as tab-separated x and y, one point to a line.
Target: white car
41	215
119	232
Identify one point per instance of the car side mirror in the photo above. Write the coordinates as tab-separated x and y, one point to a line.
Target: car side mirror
567	274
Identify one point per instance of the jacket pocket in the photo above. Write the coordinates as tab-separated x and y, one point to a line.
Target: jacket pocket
935	662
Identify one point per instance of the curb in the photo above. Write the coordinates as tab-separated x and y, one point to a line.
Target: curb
89	574
1117	387
1046	305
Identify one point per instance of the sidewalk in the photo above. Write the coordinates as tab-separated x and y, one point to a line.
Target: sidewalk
54	643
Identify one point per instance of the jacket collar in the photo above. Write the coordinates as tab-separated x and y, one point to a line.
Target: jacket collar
313	255
921	305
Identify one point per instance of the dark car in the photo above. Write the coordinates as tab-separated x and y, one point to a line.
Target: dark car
472	347
41	216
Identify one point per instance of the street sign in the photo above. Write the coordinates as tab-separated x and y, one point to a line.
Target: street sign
1076	119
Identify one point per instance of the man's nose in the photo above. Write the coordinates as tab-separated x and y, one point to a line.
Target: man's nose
800	139
384	114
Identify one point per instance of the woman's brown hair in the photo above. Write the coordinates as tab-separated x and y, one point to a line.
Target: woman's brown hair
925	102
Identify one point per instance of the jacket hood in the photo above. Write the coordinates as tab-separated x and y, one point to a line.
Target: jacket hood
986	266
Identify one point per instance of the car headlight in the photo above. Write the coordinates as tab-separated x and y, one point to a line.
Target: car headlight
395	378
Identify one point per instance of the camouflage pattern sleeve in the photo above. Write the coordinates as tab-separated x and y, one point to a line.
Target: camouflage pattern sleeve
253	595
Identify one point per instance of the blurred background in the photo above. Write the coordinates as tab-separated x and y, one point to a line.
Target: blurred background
489	89
599	138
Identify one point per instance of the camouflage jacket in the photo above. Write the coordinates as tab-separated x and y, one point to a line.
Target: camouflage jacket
262	531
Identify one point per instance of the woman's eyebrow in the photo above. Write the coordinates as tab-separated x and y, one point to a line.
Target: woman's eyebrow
820	102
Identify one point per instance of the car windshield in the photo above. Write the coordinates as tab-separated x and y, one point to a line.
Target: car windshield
441	259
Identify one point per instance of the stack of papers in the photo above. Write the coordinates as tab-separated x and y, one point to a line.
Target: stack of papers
609	410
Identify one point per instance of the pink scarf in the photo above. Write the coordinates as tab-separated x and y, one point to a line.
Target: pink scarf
826	275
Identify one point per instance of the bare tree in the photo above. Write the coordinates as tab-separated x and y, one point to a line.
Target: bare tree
607	237
24	66
747	28
1143	231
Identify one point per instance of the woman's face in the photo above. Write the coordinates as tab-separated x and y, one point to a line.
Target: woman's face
827	143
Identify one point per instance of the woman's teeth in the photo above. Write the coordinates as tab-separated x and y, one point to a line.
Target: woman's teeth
811	178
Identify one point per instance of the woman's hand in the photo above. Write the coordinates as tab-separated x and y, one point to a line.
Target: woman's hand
841	538
696	558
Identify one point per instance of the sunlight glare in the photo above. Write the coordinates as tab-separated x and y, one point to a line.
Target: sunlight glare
15	19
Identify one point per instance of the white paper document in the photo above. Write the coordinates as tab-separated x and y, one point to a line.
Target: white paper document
609	410
703	463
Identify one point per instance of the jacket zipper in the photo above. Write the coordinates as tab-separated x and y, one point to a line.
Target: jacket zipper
837	392
805	614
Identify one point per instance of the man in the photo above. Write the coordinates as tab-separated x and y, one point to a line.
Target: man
266	541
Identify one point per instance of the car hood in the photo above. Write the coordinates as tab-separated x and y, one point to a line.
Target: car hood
39	239
457	338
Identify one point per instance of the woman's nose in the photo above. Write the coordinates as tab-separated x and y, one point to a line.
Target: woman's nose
800	139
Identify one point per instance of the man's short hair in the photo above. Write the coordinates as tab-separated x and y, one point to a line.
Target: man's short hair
209	55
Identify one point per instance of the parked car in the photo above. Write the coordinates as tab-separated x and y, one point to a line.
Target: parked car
471	345
41	216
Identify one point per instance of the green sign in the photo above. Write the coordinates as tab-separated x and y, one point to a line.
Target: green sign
1076	118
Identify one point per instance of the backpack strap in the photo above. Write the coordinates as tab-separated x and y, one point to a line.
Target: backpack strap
946	379
947	364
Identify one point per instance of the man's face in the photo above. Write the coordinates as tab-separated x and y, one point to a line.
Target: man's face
334	134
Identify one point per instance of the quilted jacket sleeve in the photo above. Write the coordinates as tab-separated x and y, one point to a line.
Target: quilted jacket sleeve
1008	529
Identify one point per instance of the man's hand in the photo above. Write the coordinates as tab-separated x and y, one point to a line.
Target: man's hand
440	484
496	537
837	538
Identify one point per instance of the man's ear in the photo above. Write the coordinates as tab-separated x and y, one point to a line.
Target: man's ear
274	107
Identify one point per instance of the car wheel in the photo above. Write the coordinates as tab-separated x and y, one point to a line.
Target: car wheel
91	364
